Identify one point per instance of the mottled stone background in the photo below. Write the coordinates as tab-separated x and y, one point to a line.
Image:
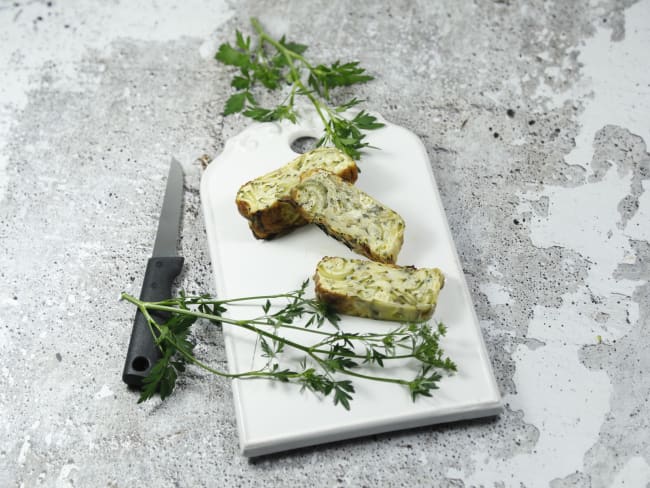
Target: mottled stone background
536	117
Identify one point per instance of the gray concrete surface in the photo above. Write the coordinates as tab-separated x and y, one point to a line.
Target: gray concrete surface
536	119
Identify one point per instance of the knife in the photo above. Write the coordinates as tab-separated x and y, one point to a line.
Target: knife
163	266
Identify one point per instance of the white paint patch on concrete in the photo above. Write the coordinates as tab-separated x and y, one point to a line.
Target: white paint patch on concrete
493	270
8	378
54	57
553	387
620	82
24	450
5	126
614	86
496	293
585	219
636	472
554	100
104	392
104	22
63	479
5	340
638	227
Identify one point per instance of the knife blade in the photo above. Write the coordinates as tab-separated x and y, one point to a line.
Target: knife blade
162	268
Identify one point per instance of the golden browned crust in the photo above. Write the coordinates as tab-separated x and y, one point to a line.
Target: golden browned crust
277	219
339	302
281	216
359	300
355	234
243	207
349	174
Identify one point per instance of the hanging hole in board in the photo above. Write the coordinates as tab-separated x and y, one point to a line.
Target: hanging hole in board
140	364
303	144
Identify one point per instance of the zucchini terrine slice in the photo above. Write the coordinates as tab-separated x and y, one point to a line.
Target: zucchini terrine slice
378	290
264	200
350	215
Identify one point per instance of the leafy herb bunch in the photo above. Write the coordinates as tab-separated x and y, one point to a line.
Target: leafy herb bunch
275	63
332	358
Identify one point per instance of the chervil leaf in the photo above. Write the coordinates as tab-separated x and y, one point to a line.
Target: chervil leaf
339	363
268	351
323	78
240	83
424	383
293	46
270	115
342	390
243	43
232	57
161	379
268	75
235	103
329	353
364	120
276	63
348	105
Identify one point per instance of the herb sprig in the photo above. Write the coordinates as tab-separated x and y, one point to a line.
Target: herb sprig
276	63
331	359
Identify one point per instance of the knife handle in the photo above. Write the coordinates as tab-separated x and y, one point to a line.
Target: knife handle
143	352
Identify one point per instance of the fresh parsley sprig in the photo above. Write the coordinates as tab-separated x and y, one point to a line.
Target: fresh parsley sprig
276	63
331	358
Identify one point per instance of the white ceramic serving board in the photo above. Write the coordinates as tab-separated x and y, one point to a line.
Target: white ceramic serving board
272	416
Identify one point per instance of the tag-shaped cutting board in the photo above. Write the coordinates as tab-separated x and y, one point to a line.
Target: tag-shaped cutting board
274	416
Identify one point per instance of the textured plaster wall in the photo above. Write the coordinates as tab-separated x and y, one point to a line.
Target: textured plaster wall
535	117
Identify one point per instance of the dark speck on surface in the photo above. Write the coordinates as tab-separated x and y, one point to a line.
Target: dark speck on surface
510	112
59	358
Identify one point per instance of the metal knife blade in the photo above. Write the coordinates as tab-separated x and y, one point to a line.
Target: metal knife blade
163	266
170	215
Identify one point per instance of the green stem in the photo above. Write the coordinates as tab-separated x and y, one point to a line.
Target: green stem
287	53
290	56
190	357
313	353
146	306
317	105
375	378
244	324
151	323
198	300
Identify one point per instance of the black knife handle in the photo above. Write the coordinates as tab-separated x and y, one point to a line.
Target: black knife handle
157	286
